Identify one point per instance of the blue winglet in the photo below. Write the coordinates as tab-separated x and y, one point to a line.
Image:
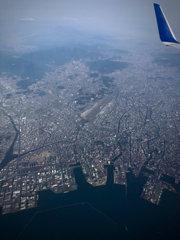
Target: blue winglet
165	32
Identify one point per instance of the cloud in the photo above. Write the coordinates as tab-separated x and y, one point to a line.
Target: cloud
77	19
71	19
27	19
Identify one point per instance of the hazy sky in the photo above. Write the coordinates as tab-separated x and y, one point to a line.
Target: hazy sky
113	16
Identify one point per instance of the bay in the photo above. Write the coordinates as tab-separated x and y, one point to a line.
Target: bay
103	212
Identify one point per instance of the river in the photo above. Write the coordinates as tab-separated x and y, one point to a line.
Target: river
9	154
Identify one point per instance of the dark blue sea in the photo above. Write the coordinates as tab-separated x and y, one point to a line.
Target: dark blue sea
104	212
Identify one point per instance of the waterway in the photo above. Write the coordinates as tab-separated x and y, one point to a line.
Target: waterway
9	154
103	212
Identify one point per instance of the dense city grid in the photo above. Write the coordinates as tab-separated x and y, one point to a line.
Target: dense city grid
111	107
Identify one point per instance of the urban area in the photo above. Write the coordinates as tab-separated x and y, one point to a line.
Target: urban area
118	108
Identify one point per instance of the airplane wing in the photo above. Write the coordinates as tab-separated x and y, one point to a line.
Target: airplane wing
165	32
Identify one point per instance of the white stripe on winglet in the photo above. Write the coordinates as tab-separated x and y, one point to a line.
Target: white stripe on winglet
168	24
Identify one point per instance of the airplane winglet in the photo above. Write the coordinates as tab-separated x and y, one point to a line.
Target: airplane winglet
165	32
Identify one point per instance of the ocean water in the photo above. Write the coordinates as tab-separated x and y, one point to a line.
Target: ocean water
104	212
